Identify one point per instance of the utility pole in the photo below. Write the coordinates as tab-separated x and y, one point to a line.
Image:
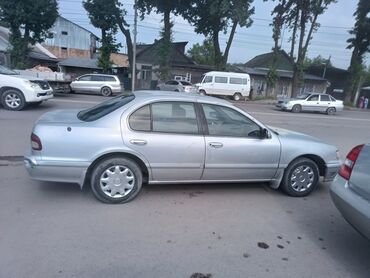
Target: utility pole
133	66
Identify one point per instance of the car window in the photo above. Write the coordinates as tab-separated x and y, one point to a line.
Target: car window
184	83
324	98
245	81
220	79
140	119
313	98
224	121
172	83
85	78
97	78
237	81
332	99
109	79
104	108
174	117
208	79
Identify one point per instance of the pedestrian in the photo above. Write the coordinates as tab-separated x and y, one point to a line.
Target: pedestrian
361	102
366	102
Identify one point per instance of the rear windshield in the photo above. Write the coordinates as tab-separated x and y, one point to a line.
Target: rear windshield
185	83
104	108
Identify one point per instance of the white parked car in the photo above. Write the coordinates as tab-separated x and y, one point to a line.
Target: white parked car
16	91
312	102
236	85
177	86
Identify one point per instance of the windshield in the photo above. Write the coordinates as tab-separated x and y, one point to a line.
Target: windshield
5	70
104	108
303	96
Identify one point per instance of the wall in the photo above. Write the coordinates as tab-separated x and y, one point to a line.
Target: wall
69	52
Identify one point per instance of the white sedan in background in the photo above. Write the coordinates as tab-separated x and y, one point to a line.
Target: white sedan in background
177	86
312	102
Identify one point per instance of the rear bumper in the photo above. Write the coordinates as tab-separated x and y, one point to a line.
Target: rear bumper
354	208
71	172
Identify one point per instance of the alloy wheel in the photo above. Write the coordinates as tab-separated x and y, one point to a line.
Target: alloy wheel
12	100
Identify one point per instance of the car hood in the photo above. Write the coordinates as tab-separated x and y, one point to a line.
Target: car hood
60	116
285	133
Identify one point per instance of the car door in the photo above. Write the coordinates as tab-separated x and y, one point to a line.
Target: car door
82	84
311	103
168	135
325	103
97	82
234	148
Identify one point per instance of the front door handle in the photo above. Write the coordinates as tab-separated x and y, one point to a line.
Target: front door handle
216	145
139	142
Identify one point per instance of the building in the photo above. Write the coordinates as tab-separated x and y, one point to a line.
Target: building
258	69
38	54
70	40
182	67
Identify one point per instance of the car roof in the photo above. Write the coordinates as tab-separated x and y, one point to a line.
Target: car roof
98	74
178	96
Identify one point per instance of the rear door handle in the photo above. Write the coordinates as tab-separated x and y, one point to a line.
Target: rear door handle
216	145
139	142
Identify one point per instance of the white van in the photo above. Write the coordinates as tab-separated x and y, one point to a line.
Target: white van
233	84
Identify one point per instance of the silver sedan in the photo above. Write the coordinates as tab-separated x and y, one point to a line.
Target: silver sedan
161	137
312	102
177	86
350	190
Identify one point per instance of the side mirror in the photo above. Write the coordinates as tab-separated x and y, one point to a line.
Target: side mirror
265	134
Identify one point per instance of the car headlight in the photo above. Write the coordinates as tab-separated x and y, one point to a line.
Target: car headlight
31	84
337	155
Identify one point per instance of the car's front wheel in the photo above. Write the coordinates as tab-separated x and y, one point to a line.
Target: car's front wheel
116	180
300	178
296	108
202	92
13	99
106	91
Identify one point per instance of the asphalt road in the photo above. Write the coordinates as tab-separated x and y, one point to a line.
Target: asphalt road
56	230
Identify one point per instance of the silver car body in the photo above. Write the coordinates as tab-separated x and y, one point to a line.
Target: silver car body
71	147
94	83
352	197
312	102
177	86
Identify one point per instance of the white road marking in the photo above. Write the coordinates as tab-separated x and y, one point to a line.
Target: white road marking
309	117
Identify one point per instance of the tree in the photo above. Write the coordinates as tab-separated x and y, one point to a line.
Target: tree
29	22
202	54
101	15
316	61
109	15
301	17
360	45
211	17
164	47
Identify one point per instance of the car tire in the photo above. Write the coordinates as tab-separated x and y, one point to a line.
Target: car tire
296	108
202	92
116	180
237	96
157	88
106	91
13	99
300	178
331	111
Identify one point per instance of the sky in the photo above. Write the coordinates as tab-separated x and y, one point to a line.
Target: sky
328	41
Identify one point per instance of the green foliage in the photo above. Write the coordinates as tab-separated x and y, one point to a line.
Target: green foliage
210	17
29	22
164	51
316	61
272	77
103	15
202	54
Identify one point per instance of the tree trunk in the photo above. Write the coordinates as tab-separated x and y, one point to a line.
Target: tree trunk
294	34
228	45
352	76
127	34
218	56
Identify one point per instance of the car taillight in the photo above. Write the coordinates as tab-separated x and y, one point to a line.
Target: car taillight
36	142
347	167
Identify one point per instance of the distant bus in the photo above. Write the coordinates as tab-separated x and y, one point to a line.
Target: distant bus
236	85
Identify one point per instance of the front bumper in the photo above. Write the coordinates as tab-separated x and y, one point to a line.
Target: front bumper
331	171
37	95
354	208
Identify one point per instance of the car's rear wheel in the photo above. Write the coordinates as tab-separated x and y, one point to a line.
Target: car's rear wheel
296	108
300	178
13	99
106	91
116	180
237	96
202	92
331	111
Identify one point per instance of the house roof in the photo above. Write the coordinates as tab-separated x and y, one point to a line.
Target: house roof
281	73
265	60
70	21
80	63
